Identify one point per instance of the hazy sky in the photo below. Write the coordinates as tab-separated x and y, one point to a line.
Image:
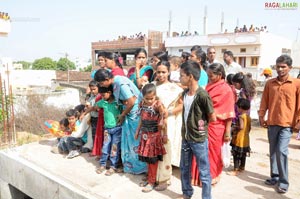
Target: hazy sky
47	28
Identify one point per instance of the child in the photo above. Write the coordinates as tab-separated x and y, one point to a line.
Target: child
64	126
151	148
111	148
197	111
175	63
240	139
93	86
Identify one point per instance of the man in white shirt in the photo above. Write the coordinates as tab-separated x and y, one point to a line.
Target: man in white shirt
231	67
211	56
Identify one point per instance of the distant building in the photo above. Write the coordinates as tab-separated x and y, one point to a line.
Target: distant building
5	27
250	49
126	47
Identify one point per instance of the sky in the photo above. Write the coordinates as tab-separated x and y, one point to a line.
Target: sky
50	28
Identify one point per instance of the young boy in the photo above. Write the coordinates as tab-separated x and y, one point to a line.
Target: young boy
112	131
197	112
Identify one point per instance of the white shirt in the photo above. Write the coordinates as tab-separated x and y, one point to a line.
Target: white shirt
187	102
233	68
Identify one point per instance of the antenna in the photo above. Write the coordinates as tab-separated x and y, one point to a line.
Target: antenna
170	22
189	24
222	22
205	20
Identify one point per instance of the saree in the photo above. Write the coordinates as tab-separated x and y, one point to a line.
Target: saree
98	142
223	103
124	89
145	69
169	94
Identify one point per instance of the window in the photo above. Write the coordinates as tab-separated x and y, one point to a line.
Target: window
243	50
180	50
254	61
286	51
223	50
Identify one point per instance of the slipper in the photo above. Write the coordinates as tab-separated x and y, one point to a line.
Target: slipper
100	169
281	190
145	178
161	187
148	188
270	181
143	183
110	171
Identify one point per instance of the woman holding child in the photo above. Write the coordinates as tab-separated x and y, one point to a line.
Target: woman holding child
126	94
223	104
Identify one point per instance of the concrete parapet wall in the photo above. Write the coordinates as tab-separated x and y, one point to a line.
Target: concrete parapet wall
33	180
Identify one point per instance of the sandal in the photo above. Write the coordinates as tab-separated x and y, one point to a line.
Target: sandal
148	188
281	190
143	183
100	169
110	171
161	187
145	178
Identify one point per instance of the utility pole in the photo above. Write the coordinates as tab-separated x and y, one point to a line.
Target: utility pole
68	73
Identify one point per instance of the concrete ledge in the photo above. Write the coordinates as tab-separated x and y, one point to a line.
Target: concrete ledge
35	181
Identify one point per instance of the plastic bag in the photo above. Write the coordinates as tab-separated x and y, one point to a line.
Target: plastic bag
226	154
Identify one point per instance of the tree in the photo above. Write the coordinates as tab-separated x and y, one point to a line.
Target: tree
26	65
45	63
64	63
87	68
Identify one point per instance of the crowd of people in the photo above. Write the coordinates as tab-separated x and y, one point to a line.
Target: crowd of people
4	16
179	111
138	36
250	29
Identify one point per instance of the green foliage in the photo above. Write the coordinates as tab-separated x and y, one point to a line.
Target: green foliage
45	63
26	65
87	68
64	63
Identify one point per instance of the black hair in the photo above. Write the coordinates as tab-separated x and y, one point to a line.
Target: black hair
138	51
106	90
196	47
229	53
102	74
64	122
185	55
161	55
102	54
148	88
191	68
72	112
115	57
200	54
80	108
284	59
165	63
93	83
217	69
243	104
246	83
229	78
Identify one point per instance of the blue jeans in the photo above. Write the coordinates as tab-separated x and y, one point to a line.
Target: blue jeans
111	146
279	139
200	150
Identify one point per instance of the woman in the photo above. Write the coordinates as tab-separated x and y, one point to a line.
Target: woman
112	62
126	93
101	62
199	56
219	131
169	94
141	73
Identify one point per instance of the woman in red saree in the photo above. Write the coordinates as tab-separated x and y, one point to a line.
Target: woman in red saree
219	131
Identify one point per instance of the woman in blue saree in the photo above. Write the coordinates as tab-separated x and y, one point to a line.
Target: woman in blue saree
127	94
141	73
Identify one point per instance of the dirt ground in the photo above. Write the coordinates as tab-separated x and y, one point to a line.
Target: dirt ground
80	173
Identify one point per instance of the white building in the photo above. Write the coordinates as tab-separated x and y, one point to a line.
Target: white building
250	49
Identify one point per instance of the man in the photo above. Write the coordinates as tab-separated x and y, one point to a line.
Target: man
281	98
211	56
231	67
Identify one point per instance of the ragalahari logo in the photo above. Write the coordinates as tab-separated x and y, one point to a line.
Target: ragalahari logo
281	5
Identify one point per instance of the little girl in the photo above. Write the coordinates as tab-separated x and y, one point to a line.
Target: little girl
153	119
240	138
